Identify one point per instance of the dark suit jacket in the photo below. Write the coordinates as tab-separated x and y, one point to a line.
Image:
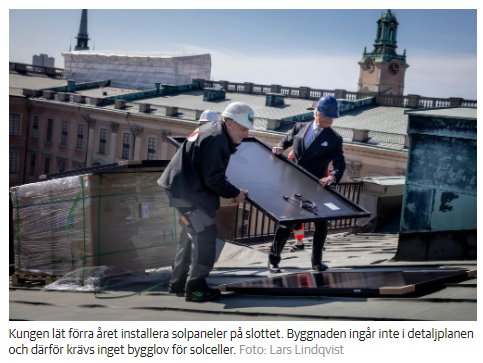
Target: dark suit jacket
325	148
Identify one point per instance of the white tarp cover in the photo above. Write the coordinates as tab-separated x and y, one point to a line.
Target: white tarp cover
136	71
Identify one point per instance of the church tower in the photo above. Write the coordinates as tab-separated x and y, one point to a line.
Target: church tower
382	71
82	37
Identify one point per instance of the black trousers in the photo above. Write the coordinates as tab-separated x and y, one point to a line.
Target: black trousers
283	232
196	252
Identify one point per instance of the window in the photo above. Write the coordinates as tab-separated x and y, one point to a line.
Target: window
152	148
33	160
13	162
61	164
35	127
47	165
65	133
14	124
102	141
80	137
50	127
77	165
126	146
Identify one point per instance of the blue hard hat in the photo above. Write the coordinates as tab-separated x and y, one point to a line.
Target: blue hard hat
329	106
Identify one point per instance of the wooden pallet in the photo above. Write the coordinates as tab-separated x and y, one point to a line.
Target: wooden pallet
32	278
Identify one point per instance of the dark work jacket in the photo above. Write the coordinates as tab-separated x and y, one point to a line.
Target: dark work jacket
197	171
326	147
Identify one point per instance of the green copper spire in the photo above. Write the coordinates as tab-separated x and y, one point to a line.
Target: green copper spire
386	39
385	43
82	37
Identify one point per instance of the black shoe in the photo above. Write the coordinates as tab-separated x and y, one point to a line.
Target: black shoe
273	268
202	296
296	248
320	267
176	288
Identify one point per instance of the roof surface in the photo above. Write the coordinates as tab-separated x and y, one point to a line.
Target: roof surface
457	301
375	118
194	100
18	82
456	112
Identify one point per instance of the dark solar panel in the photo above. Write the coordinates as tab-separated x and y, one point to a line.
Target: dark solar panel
355	282
284	190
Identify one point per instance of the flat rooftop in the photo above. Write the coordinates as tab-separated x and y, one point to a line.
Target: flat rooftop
138	300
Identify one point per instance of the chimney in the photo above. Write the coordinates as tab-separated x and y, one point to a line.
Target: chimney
94	101
145	107
360	135
48	94
71	86
79	98
169	111
62	96
119	104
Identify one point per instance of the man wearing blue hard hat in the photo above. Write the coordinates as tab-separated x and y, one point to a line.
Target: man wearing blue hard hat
315	146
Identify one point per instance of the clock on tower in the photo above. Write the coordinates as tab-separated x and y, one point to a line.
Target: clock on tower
382	71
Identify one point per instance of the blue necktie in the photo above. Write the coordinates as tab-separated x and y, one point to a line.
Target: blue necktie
312	137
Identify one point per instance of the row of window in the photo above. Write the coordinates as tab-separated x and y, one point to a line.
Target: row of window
15	130
61	164
64	137
126	145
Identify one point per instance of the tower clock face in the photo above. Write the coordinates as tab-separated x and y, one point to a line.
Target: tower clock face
393	68
370	65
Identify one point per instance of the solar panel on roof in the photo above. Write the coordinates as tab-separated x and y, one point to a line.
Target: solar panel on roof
284	190
353	282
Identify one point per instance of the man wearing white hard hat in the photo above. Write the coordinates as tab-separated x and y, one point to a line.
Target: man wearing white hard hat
208	116
194	181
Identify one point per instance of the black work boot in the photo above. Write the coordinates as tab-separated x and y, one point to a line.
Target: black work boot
316	258
273	268
177	288
319	267
198	291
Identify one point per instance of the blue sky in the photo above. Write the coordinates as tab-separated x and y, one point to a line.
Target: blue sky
314	48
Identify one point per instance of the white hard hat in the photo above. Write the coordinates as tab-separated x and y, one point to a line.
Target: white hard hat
209	116
241	113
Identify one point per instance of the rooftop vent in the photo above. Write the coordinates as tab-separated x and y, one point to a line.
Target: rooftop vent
274	100
213	94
